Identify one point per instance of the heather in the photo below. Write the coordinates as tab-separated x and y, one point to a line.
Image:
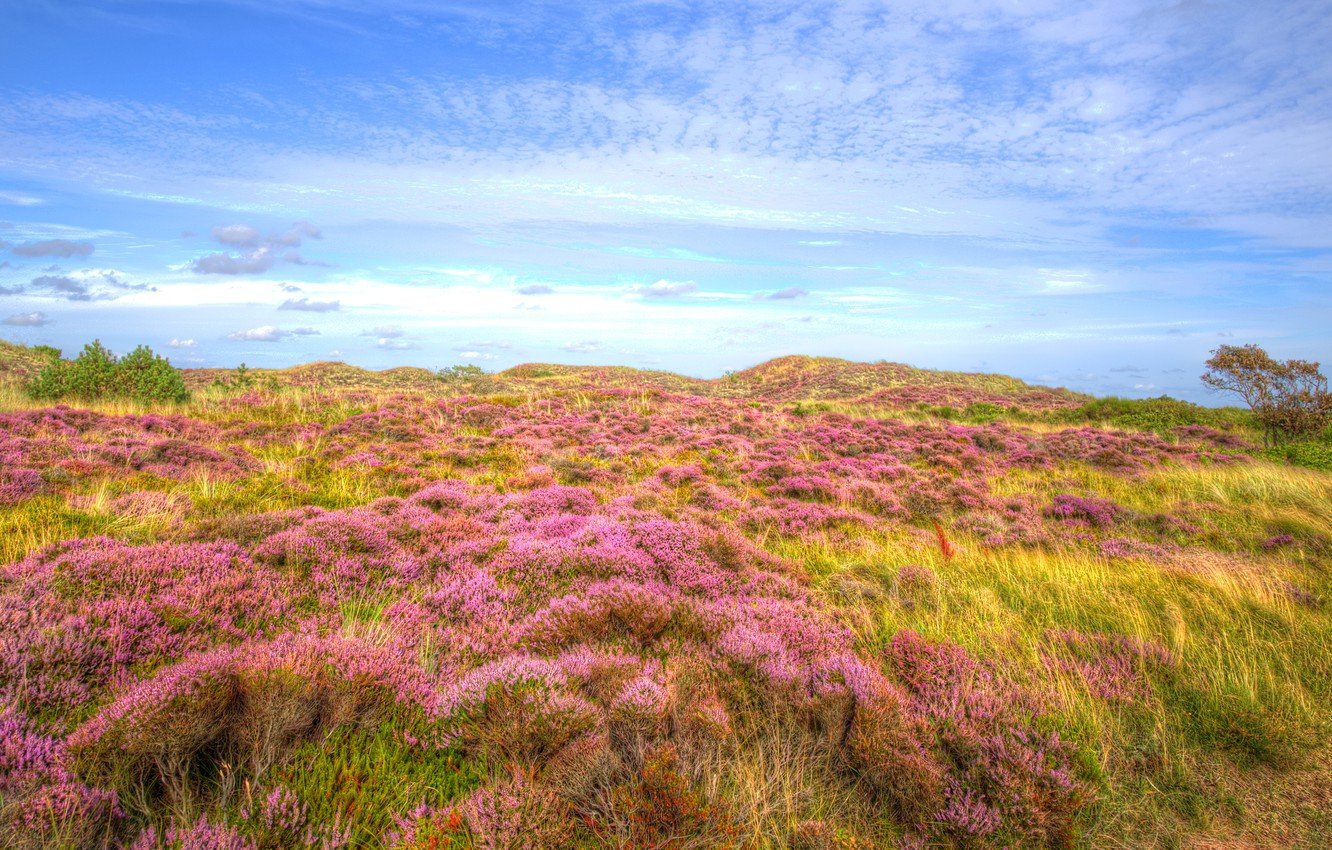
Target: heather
813	604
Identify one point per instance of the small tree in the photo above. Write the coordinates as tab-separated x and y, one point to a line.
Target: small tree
97	373
146	376
1289	398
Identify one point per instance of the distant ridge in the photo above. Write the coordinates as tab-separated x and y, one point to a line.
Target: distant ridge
783	379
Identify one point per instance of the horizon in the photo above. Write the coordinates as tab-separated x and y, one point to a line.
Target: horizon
1093	199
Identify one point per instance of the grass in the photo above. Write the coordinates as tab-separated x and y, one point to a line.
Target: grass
1252	689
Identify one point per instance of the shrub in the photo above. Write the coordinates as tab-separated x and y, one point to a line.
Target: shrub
518	815
200	727
97	373
42	803
1313	454
660	808
1288	398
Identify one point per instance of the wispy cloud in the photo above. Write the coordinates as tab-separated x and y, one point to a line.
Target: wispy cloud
53	248
309	305
787	294
666	288
27	320
269	333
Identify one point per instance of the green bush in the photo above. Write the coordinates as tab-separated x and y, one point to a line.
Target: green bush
1314	454
97	373
1153	414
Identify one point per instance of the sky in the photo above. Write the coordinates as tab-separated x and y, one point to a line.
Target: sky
1093	195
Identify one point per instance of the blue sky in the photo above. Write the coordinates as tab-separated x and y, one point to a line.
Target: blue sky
1093	195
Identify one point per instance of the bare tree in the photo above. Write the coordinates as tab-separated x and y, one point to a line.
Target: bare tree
1288	398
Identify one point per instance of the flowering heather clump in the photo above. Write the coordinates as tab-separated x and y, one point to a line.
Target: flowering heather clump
18	484
42	802
279	820
1084	511
517	814
1278	541
76	618
518	710
241	710
1115	667
1127	547
203	834
1005	781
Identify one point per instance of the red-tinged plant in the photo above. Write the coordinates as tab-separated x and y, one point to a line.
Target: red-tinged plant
519	711
659	809
945	546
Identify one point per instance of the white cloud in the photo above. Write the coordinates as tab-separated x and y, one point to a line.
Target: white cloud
182	343
666	288
19	199
27	320
269	333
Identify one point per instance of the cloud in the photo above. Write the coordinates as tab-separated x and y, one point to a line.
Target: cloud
260	252
84	285
585	347
1128	369
18	199
385	332
74	290
53	248
239	235
252	262
309	306
27	320
268	333
534	289
181	343
667	288
390	344
786	294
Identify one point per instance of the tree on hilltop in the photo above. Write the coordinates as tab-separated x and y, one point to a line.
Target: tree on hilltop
1288	398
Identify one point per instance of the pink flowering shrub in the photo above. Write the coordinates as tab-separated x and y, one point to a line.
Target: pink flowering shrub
519	710
1084	511
228	714
42	802
1004	781
1116	668
79	617
203	834
517	814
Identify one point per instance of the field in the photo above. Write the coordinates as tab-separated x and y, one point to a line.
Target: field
814	604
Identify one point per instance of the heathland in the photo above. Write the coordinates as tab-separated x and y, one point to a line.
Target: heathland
813	604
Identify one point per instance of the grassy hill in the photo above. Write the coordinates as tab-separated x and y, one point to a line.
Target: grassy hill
814	604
